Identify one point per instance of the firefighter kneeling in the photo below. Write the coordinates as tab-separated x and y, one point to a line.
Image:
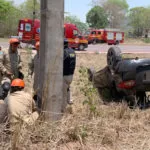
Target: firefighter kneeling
21	106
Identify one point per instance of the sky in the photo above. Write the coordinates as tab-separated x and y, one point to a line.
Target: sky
80	8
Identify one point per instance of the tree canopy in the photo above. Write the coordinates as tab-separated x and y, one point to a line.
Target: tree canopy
116	11
139	20
10	15
75	20
97	18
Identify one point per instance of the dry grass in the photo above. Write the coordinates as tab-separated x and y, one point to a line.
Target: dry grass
135	41
92	126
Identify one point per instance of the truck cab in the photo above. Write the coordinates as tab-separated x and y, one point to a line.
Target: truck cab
75	39
95	36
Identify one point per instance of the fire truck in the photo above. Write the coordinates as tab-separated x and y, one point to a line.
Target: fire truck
110	36
29	32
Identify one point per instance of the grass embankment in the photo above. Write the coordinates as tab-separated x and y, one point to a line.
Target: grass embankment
89	125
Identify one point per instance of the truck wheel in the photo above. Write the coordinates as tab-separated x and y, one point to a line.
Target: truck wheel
94	42
116	43
113	57
81	47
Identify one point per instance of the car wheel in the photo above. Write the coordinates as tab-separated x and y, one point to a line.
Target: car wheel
113	57
116	43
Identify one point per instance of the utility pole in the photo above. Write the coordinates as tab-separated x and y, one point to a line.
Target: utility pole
51	58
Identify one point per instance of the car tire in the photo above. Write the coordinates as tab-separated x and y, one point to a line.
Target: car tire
113	57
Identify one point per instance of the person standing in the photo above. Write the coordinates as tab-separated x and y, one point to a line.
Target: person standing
34	71
68	71
10	62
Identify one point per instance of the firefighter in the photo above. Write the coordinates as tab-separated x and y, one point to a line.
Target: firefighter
68	71
10	62
34	69
21	106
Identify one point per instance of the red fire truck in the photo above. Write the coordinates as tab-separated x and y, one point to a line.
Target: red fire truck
76	40
110	36
28	32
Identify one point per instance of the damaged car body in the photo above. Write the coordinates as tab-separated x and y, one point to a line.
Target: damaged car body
129	78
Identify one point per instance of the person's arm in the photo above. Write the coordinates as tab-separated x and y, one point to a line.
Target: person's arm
30	119
3	58
19	62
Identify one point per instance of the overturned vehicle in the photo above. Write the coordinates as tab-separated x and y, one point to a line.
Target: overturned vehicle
126	78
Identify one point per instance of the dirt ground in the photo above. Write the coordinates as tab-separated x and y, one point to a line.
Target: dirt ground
88	124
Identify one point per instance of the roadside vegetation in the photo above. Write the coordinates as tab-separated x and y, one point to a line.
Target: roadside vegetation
88	124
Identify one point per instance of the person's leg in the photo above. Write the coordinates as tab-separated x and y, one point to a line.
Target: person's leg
65	95
68	80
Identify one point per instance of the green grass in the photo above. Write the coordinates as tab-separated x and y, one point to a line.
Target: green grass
146	40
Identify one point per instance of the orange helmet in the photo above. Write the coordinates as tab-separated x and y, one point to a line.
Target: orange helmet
37	45
18	83
14	40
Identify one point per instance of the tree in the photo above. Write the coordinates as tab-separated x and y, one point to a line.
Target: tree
139	20
97	18
116	11
146	21
29	7
75	20
9	15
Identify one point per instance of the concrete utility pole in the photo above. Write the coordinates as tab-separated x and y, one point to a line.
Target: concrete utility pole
51	57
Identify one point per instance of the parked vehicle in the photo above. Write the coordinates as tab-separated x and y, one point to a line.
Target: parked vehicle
28	32
110	36
75	39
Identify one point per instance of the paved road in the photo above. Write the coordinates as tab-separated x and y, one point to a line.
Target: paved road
102	48
4	44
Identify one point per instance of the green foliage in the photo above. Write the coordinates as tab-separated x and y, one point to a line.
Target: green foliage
116	11
10	15
139	19
75	20
121	3
28	7
97	18
146	40
5	7
88	91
